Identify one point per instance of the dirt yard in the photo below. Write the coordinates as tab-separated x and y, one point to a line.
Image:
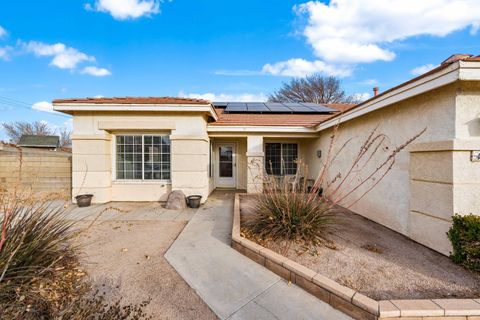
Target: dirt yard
125	258
380	263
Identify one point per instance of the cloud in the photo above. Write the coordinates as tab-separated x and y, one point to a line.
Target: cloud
422	69
97	72
5	53
360	97
63	57
223	97
43	106
344	33
3	32
302	68
126	9
356	31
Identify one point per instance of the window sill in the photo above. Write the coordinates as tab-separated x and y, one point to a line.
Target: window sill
155	182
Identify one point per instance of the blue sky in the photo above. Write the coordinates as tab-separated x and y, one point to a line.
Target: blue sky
235	50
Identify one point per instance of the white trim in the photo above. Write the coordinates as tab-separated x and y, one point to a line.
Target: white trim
72	107
234	146
283	129
441	78
137	181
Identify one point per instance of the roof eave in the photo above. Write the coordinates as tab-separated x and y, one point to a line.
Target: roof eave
70	108
460	70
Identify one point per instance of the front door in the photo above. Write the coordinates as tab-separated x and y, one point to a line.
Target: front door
226	165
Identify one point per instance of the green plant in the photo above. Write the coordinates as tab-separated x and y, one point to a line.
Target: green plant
464	234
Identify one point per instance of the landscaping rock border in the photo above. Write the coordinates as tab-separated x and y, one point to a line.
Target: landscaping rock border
347	300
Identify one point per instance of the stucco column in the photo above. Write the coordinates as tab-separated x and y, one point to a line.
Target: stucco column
189	164
444	180
255	164
91	166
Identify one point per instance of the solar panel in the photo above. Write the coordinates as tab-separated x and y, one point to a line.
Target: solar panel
220	104
298	108
276	107
257	107
236	107
318	107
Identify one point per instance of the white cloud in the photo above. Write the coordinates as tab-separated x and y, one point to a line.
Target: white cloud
360	97
354	31
63	57
5	52
223	97
422	69
3	32
344	33
126	9
301	68
97	72
43	106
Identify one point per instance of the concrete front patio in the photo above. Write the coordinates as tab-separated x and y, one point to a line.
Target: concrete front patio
232	285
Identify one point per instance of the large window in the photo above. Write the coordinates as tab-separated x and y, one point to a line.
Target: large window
143	157
281	158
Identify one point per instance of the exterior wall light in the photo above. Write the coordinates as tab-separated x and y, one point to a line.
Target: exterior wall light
319	153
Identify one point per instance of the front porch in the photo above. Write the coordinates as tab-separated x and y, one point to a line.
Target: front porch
238	162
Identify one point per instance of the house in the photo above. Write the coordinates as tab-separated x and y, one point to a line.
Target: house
139	149
39	141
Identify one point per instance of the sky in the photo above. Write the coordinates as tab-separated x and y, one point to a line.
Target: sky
219	50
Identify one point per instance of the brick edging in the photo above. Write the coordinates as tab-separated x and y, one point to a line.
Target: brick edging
347	300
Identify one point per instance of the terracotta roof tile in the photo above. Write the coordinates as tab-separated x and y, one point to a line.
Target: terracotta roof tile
133	100
269	119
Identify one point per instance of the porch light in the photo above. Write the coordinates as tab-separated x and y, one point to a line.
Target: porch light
319	153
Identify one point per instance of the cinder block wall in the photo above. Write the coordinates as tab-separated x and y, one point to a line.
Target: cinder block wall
42	171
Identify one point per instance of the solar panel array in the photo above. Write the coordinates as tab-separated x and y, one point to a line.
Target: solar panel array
273	107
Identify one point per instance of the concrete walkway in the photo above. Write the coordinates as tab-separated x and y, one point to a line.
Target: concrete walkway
232	285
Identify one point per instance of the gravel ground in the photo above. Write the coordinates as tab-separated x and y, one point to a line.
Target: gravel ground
381	263
125	258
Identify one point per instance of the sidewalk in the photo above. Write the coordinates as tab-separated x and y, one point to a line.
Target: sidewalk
232	285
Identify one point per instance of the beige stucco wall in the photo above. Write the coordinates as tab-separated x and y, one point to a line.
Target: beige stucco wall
416	197
94	146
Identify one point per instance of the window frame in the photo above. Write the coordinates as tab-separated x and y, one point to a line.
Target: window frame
143	180
282	174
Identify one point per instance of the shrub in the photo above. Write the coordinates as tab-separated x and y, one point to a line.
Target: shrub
464	234
40	275
292	211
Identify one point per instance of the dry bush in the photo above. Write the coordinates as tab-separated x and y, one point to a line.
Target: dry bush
289	210
40	274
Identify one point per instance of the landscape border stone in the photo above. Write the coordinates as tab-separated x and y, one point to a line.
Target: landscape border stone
347	300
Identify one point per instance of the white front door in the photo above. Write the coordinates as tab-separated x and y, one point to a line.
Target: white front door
226	168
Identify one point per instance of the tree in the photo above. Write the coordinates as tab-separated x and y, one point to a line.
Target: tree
315	88
15	130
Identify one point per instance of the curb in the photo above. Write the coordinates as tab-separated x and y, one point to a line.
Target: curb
347	300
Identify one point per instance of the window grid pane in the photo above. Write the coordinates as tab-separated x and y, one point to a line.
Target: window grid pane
142	157
281	158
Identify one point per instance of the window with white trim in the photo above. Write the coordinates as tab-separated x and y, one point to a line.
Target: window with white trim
142	157
281	158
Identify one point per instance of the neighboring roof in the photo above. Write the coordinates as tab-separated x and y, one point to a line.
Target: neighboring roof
258	119
39	141
132	100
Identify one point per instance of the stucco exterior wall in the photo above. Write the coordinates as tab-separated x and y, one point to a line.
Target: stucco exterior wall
93	163
391	201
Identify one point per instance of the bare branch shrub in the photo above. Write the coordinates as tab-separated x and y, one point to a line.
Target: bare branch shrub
289	209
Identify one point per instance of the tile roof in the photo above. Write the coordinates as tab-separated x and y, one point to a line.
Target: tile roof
133	100
257	119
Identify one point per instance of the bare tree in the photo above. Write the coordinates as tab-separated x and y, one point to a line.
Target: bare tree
65	139
15	130
315	88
